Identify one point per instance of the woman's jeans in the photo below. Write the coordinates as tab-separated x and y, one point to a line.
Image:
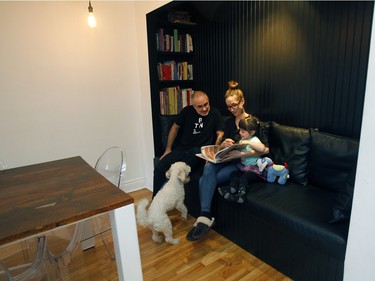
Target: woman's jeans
213	174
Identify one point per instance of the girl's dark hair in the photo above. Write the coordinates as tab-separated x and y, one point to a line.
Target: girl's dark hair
250	123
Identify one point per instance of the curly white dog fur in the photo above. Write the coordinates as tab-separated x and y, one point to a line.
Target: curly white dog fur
171	196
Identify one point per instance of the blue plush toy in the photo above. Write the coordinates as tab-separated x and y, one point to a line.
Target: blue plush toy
274	170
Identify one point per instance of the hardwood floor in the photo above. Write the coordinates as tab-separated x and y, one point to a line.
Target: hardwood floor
212	258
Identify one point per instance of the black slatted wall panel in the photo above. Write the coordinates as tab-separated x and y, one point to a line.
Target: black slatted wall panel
299	63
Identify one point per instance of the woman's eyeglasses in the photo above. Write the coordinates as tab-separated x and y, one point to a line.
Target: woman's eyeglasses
233	106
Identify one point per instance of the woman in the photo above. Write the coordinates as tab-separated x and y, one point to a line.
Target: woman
214	174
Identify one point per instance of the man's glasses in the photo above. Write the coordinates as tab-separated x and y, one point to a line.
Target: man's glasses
233	106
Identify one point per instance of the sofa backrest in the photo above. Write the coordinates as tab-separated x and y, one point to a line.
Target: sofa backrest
290	145
332	166
332	158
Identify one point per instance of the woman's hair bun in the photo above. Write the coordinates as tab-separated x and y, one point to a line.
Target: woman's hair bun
233	85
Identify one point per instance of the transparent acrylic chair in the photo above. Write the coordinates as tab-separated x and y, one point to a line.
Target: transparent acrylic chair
24	260
65	242
5	273
38	269
112	165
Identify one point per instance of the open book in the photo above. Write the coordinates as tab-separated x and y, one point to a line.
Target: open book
218	153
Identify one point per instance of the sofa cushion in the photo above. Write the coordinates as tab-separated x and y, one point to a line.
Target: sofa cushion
301	211
291	145
331	160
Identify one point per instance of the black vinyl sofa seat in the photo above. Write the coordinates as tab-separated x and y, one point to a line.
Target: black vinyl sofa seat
306	217
299	228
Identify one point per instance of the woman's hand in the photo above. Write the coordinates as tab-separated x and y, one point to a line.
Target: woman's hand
234	154
227	142
239	154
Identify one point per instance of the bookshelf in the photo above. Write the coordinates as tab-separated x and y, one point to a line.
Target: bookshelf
171	63
175	66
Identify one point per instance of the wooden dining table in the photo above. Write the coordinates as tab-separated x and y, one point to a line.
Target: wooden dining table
40	197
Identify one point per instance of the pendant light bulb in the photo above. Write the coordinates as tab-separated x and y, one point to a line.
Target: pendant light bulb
91	19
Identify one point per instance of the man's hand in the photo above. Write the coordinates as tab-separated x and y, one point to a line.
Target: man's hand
167	151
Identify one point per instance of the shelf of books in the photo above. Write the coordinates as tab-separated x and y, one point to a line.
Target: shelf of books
174	41
175	71
173	99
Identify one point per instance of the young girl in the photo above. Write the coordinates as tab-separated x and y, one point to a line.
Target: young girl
239	181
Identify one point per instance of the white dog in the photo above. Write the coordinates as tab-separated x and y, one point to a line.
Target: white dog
171	196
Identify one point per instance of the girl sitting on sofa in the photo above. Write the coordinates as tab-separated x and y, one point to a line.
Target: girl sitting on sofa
239	184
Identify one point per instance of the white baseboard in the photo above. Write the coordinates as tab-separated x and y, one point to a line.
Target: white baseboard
132	185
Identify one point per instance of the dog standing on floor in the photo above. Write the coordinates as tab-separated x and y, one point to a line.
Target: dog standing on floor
171	196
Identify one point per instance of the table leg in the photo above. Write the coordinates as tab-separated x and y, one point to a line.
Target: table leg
125	242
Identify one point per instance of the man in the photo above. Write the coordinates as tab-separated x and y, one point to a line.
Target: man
198	125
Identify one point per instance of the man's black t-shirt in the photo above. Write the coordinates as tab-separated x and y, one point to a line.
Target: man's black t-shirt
196	130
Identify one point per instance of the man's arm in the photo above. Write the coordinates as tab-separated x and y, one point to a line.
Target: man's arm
171	138
219	137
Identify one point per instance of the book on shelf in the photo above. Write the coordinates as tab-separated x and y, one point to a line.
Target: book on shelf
160	40
184	67
189	43
190	72
175	41
174	99
218	153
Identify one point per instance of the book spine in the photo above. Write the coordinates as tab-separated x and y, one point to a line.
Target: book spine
184	70
190	72
175	43
162	103
167	43
161	40
157	42
167	72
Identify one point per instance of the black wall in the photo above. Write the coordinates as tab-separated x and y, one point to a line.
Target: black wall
299	63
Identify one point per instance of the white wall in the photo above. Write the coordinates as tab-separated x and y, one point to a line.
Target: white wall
67	89
360	255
